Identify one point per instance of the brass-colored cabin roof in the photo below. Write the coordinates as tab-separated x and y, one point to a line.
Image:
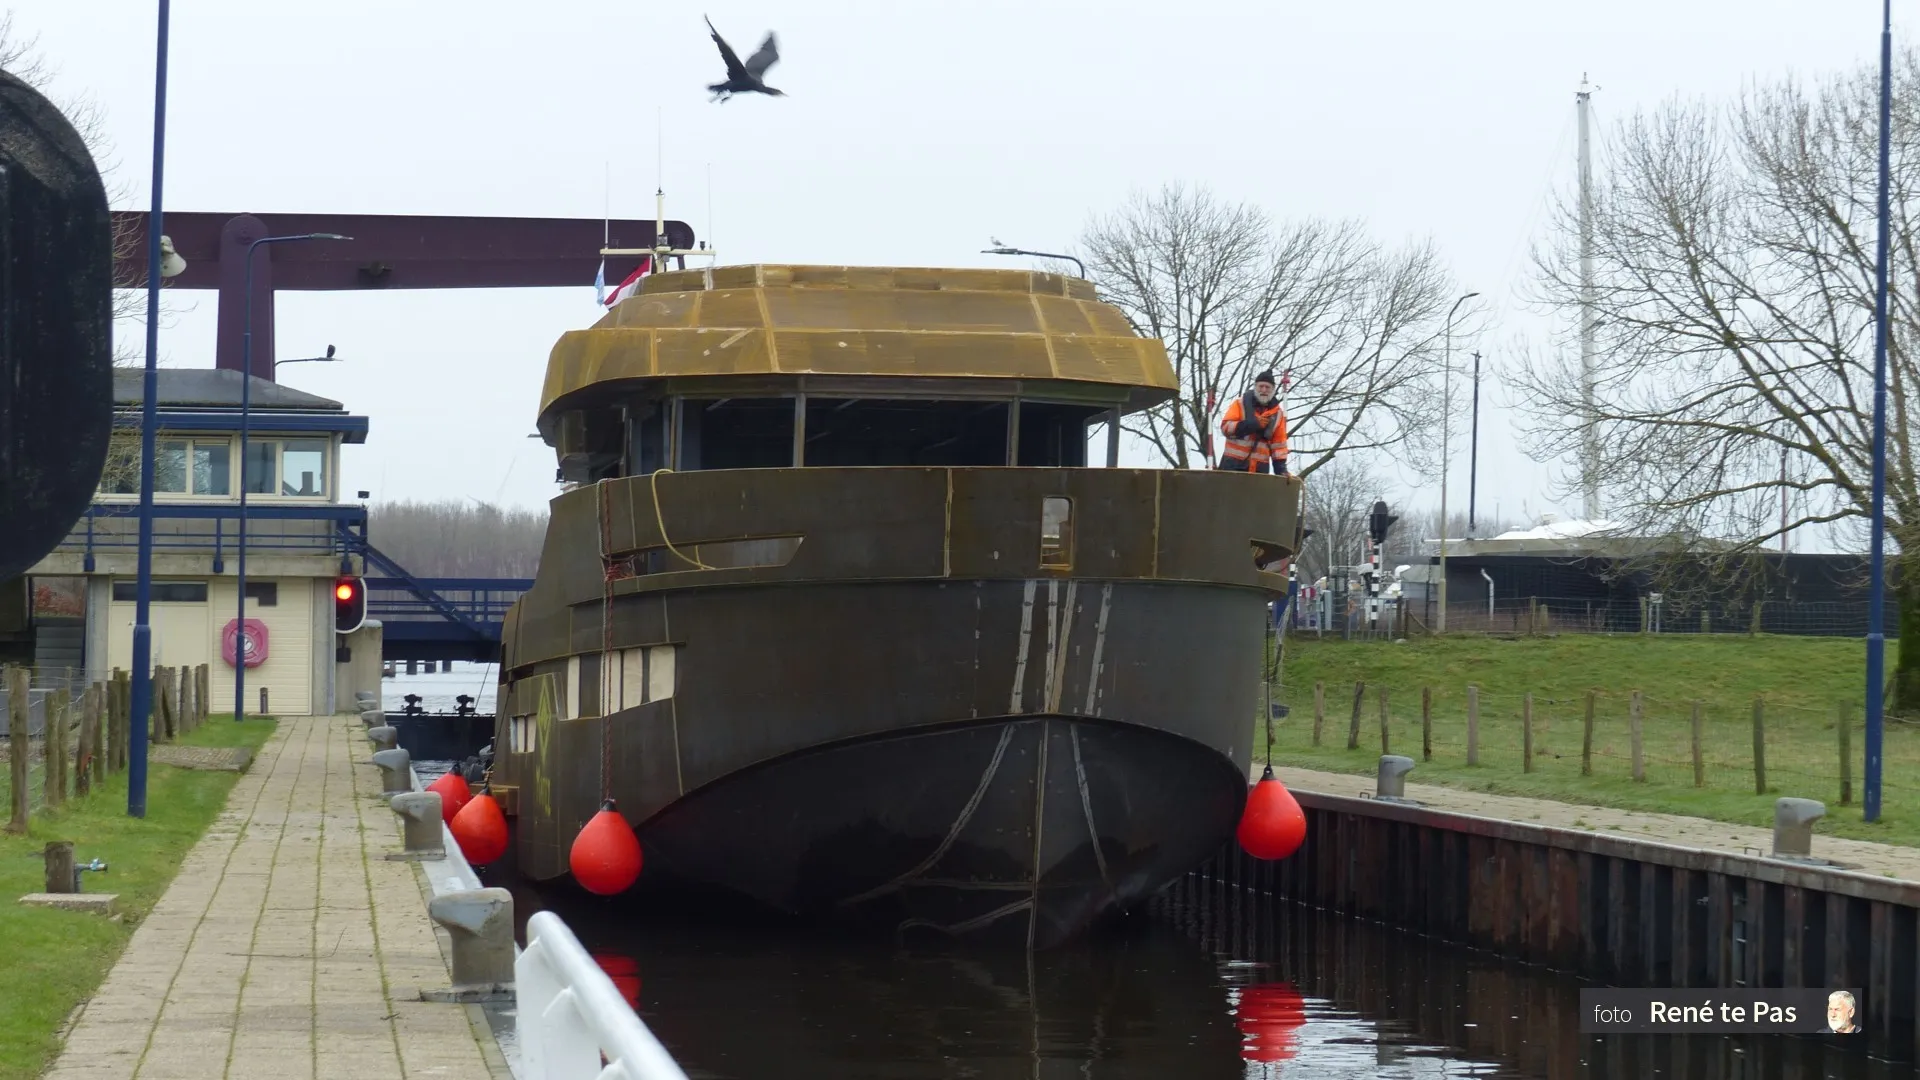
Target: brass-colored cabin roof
860	321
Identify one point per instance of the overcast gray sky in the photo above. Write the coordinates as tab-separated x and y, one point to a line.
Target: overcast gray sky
914	131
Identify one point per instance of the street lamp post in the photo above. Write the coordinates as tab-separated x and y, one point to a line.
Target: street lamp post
1446	433
1473	454
327	359
240	531
141	704
1036	254
1876	611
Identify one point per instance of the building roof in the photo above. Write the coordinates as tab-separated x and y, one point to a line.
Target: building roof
208	399
1596	538
213	388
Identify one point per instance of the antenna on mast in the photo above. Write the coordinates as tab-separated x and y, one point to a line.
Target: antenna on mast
1589	437
663	248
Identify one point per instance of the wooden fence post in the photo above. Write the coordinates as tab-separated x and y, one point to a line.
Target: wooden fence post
1846	755
1699	762
1753	628
83	747
206	692
1759	742
1319	710
122	718
189	715
1526	732
1473	724
20	714
1353	725
1633	736
1426	723
101	761
56	747
1586	739
1384	717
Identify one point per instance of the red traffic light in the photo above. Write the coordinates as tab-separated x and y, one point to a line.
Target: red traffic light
349	605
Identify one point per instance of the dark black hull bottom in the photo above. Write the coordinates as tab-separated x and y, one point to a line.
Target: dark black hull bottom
1022	830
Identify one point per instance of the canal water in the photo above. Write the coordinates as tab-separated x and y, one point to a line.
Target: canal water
1205	983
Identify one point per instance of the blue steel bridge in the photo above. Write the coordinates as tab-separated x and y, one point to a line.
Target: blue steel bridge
422	618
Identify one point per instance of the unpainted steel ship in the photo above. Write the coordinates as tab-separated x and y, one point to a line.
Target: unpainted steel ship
838	610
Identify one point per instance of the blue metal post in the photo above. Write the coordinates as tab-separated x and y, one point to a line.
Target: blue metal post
1876	617
142	703
240	528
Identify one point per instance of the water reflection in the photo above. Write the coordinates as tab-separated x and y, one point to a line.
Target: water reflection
1198	988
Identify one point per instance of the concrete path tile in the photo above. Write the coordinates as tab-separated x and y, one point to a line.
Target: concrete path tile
287	946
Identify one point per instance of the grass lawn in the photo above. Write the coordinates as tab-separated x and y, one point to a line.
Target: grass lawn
1805	682
54	959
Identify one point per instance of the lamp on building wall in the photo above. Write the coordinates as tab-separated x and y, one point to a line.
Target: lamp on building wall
240	530
171	264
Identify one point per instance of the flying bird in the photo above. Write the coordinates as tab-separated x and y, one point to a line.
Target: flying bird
744	78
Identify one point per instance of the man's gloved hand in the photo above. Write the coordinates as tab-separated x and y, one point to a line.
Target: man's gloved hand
1280	467
1247	427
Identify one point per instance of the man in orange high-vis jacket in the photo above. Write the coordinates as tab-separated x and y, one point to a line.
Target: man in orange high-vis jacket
1255	430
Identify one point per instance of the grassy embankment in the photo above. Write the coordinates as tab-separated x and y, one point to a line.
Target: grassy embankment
51	960
1805	682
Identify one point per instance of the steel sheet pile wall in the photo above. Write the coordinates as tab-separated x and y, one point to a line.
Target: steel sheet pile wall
1611	910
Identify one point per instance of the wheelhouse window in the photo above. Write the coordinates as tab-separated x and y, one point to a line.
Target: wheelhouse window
288	467
164	592
736	433
868	431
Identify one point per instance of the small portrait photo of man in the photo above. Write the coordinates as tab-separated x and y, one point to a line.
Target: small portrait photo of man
1841	1013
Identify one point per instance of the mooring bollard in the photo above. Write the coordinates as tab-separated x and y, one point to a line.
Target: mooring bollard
396	774
1392	783
480	922
373	718
420	811
384	737
366	697
1793	826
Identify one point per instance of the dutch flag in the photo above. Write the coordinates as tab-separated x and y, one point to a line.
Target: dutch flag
628	287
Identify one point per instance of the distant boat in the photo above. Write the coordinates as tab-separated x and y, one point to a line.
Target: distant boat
840	610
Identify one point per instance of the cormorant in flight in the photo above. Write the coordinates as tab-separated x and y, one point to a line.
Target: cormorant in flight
744	78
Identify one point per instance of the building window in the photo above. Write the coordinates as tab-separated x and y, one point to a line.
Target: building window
264	593
212	467
291	467
164	592
180	467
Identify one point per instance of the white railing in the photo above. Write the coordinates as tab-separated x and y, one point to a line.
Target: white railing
570	1018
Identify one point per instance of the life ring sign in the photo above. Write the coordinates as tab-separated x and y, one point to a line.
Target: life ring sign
254	634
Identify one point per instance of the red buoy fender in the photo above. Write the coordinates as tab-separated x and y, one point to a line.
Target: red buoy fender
480	829
606	855
1273	826
454	794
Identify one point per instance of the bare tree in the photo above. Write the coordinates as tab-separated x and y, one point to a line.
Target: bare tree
1358	326
450	538
1734	249
1337	502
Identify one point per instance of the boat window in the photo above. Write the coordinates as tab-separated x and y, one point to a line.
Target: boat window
1054	436
646	439
1056	532
520	735
869	431
736	433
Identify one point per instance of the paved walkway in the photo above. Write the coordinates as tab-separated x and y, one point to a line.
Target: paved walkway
288	947
1890	860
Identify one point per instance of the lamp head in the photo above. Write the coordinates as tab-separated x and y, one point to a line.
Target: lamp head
171	264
